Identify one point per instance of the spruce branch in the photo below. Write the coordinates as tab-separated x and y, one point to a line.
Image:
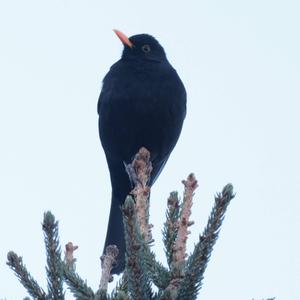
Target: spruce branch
139	172
77	286
101	295
69	256
181	281
121	296
121	288
15	262
268	299
158	274
108	260
179	248
170	229
138	282
198	260
180	235
53	269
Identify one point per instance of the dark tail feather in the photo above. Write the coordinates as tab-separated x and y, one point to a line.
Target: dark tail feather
115	234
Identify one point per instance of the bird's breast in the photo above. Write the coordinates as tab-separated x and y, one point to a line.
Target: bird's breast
144	108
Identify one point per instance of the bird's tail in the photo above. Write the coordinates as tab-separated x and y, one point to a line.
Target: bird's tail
115	233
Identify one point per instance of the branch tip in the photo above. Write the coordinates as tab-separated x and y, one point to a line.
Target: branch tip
108	260
69	255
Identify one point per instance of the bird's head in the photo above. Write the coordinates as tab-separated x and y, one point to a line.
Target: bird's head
141	47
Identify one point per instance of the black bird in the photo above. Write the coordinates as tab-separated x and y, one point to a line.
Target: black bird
142	104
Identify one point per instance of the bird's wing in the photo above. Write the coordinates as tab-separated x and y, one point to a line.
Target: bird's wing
157	168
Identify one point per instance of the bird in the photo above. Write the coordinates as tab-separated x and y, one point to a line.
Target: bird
142	103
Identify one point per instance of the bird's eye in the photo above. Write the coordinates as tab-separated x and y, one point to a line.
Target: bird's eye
146	48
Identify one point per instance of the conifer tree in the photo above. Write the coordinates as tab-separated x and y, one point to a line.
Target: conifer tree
181	279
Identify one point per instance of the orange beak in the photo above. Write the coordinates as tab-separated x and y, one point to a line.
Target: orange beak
124	39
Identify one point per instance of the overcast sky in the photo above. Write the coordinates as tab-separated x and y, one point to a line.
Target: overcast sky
240	63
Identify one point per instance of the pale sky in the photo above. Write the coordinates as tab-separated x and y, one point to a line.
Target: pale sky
240	63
